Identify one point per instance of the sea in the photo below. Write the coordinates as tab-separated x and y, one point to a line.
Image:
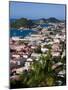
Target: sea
23	33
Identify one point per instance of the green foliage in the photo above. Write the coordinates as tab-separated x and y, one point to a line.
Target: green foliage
40	74
47	46
23	22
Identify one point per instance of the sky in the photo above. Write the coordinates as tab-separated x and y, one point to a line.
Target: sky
36	10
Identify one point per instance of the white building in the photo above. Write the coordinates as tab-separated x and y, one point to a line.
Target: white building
44	50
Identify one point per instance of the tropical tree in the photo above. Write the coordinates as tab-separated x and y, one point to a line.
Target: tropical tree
40	73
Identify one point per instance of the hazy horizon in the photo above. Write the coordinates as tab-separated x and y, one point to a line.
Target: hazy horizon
37	18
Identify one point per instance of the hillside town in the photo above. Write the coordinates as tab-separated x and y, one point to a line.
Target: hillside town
26	50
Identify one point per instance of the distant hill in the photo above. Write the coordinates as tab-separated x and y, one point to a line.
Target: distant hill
52	19
43	20
24	22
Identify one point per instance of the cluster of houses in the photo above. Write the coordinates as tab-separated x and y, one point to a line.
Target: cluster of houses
23	51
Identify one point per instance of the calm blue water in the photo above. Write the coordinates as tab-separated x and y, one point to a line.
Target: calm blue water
21	33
